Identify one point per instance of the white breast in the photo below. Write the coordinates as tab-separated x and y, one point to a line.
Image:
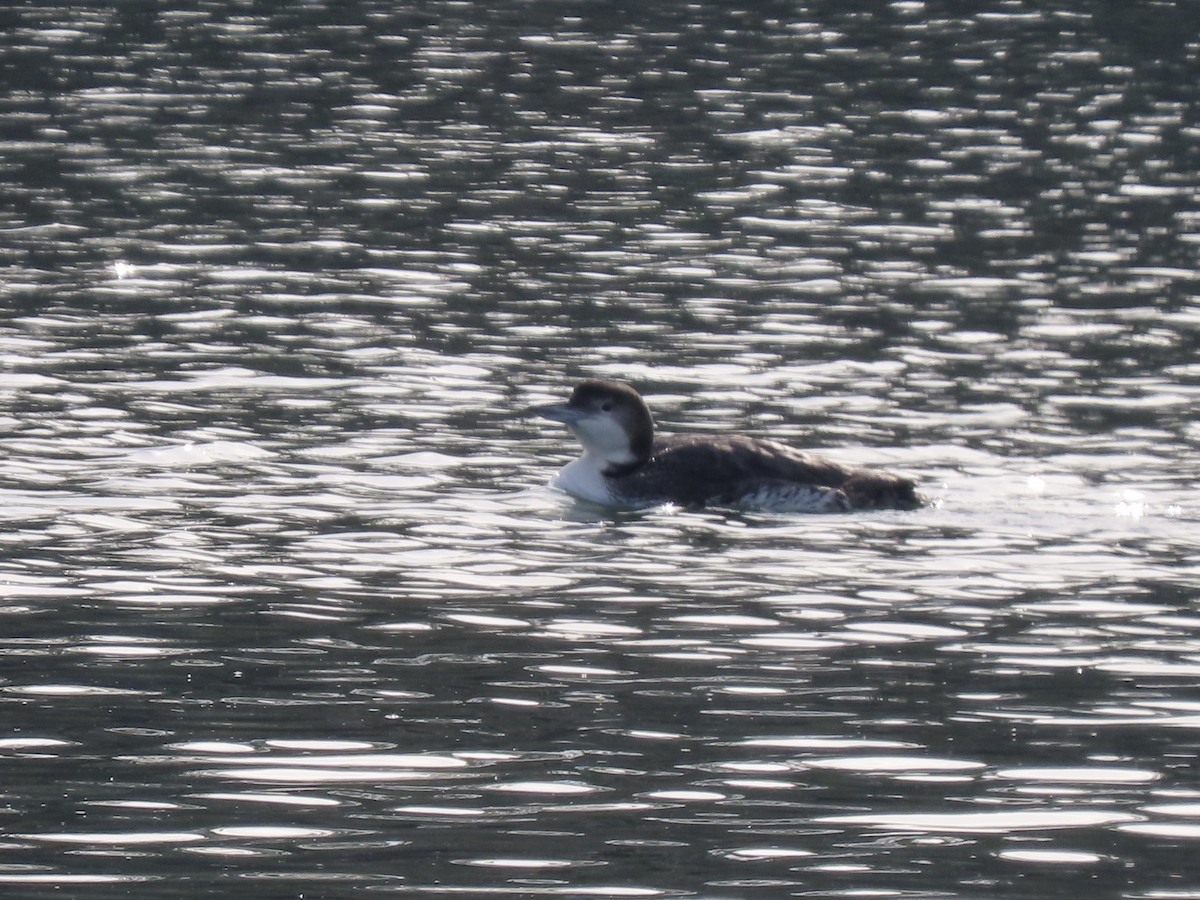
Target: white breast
583	479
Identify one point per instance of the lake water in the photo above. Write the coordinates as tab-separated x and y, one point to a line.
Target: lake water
288	606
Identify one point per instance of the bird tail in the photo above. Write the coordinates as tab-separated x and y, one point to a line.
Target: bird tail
882	490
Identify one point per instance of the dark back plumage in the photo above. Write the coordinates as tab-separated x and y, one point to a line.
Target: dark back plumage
696	470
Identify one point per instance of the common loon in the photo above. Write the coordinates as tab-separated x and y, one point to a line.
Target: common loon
625	464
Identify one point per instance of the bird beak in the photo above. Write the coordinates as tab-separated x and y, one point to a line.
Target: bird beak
559	412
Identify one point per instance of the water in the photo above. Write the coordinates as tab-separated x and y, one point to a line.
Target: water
288	606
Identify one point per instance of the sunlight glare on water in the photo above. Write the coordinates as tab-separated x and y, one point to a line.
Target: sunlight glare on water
284	583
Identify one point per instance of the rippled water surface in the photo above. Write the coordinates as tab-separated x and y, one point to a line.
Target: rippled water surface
288	607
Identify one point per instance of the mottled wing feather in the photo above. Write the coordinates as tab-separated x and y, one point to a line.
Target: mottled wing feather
788	496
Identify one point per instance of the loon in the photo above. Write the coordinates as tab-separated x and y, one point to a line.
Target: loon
625	465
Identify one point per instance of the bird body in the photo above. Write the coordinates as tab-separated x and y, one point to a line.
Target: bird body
625	464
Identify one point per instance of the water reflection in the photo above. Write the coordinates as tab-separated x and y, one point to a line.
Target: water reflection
283	584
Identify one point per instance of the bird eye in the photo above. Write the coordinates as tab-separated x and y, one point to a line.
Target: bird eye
606	406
